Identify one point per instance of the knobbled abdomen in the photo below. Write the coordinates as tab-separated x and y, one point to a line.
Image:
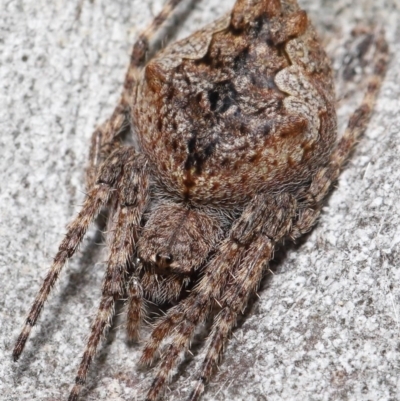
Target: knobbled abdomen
243	110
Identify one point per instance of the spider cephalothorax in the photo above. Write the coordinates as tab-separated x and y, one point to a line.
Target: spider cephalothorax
235	130
178	239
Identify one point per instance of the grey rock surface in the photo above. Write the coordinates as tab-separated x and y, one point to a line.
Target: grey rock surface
326	324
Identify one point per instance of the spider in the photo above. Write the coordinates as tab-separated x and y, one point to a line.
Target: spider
235	151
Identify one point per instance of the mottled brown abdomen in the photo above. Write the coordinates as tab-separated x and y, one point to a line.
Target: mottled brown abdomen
249	109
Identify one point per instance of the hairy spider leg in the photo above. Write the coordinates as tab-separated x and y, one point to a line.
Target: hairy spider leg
106	137
98	196
132	197
242	286
275	221
358	122
100	181
266	217
135	308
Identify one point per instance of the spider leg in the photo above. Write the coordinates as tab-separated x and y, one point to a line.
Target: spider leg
359	120
199	301
323	179
104	142
248	247
132	195
150	287
105	138
276	222
243	285
141	46
182	320
135	310
97	197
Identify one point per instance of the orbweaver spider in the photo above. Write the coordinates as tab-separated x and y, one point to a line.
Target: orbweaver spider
236	152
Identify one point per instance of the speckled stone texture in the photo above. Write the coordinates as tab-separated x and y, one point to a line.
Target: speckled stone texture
326	326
